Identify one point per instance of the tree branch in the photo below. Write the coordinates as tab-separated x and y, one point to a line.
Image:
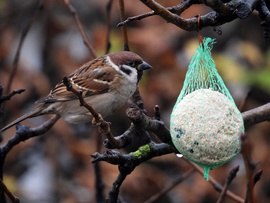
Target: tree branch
12	197
80	27
223	13
175	182
131	160
216	185
108	17
8	97
24	132
141	121
124	29
257	115
114	191
229	179
22	38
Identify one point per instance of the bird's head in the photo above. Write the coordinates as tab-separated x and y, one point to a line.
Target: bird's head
129	64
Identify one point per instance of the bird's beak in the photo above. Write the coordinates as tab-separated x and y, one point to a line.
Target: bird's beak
144	66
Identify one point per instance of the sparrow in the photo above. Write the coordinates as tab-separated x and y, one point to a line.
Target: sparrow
106	83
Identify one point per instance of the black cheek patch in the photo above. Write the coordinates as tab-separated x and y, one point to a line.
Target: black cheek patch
125	70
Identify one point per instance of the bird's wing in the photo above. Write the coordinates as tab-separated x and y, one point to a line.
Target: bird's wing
90	79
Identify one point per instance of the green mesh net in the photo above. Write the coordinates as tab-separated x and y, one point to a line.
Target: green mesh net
202	72
205	123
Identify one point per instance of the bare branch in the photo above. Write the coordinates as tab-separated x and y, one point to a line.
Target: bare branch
114	191
8	97
129	161
257	176
265	16
157	112
152	125
124	29
12	197
69	86
176	182
22	38
138	17
210	19
257	115
108	16
124	139
229	179
250	168
104	127
24	132
99	183
216	185
138	100
80	27
178	9
223	13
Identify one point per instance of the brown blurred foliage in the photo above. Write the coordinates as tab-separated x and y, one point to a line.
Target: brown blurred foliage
56	167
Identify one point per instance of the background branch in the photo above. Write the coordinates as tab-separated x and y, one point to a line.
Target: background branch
13	93
80	28
142	127
124	29
24	133
175	182
223	13
229	179
108	16
257	115
22	38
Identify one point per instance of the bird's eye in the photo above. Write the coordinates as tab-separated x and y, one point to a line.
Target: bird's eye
131	63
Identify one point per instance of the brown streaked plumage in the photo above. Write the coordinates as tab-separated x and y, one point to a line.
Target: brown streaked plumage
106	83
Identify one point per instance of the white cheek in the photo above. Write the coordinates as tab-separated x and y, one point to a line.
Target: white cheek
112	64
132	77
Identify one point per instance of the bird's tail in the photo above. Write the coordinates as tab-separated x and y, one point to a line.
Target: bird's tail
36	112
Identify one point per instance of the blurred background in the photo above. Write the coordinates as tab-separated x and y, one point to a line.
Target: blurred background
56	167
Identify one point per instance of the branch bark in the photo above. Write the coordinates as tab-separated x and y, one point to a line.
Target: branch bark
257	115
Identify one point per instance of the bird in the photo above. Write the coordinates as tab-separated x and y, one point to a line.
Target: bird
106	83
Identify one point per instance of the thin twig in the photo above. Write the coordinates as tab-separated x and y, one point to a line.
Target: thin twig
128	162
8	97
157	113
114	192
138	100
80	27
216	185
69	86
250	168
124	29
133	159
143	122
24	132
104	127
22	38
257	176
138	17
178	9
12	197
98	177
257	115
242	106
229	179
226	13
264	14
176	182
108	17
